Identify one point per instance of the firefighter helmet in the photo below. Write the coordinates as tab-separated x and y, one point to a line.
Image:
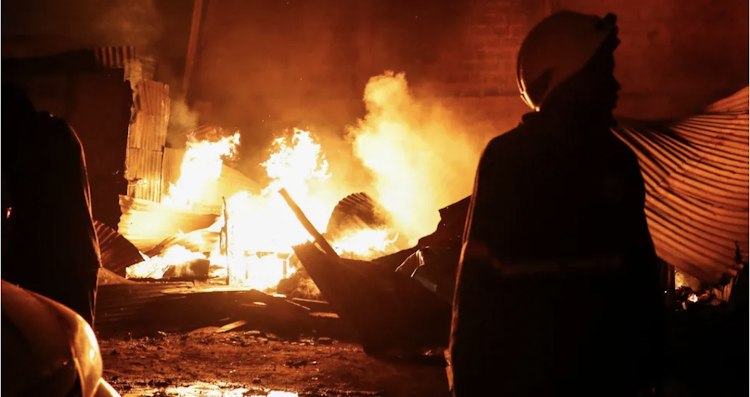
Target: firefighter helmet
555	49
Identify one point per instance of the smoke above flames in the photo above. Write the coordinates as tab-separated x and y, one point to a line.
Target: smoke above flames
420	155
413	156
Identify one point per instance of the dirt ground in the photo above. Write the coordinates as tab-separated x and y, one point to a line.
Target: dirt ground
250	363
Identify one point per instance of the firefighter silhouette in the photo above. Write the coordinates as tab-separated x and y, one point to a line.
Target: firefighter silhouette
558	288
49	244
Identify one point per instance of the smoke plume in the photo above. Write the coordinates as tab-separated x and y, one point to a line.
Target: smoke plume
132	22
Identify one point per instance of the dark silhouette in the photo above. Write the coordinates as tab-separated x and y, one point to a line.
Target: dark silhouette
49	244
558	288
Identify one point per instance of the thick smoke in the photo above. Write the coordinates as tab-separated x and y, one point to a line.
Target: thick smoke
182	121
420	155
132	22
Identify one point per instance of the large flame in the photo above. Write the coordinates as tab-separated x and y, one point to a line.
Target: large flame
365	243
201	164
421	158
260	230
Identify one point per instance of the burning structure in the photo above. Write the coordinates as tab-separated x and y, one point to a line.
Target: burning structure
189	214
214	224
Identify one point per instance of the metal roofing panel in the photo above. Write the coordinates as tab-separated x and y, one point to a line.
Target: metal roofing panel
151	119
115	57
146	223
116	251
148	132
153	97
696	176
143	172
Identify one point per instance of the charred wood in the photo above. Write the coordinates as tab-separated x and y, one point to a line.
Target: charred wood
322	242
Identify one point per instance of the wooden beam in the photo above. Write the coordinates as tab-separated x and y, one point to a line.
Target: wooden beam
308	225
192	49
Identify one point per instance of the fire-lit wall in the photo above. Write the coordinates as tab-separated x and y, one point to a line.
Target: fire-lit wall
675	56
275	64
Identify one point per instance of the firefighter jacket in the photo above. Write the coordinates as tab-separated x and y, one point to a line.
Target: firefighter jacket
558	285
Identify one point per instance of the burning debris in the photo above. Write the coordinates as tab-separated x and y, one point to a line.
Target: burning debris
250	242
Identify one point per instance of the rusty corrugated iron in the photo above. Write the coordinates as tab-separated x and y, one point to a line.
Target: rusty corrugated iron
146	140
151	116
115	57
148	132
116	251
143	172
153	98
696	176
146	224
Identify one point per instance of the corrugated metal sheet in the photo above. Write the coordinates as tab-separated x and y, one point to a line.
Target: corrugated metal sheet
152	105
115	57
153	98
146	140
125	58
148	131
356	211
696	176
143	172
146	223
116	251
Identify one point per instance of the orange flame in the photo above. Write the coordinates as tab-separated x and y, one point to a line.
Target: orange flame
201	164
431	158
261	229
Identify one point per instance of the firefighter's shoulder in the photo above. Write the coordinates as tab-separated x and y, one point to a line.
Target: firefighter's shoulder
507	145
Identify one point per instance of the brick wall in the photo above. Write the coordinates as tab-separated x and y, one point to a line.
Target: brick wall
482	62
306	62
268	65
675	56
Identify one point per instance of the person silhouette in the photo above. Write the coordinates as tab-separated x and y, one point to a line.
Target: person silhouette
49	243
556	232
